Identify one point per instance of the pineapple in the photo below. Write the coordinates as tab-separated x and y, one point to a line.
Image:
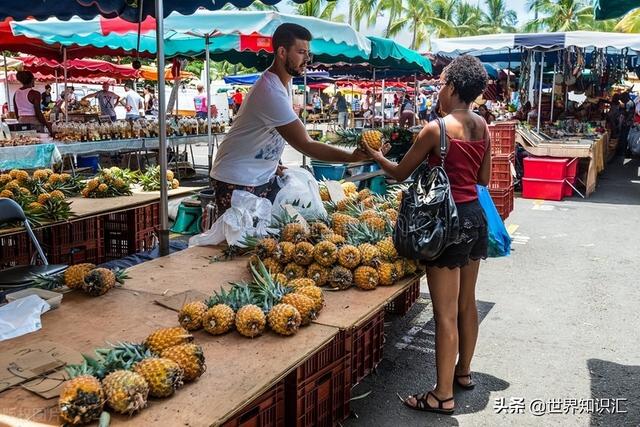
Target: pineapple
82	397
250	321
303	253
294	271
191	315
364	194
387	274
285	252
92	184
189	357
40	175
315	293
325	253
305	305
324	194
272	265
318	274
22	176
400	268
341	278
44	198
167	337
376	223
57	194
294	232
410	267
100	280
175	184
163	375
8	194
301	283
368	213
387	249
369	202
280	278
170	175
5	178
341	223
349	189
349	256
219	319
365	278
266	247
369	254
126	392
284	319
74	275
392	214
103	188
372	139
336	239
318	230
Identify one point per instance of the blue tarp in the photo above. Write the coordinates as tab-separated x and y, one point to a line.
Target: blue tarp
249	79
29	156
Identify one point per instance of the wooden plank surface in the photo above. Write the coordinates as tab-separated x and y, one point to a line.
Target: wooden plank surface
238	369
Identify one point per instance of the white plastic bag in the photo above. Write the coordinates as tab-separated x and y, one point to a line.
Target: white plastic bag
21	316
299	188
248	215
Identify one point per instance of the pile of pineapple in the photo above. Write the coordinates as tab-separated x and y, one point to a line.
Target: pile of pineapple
94	281
109	182
150	180
250	307
352	247
42	195
123	377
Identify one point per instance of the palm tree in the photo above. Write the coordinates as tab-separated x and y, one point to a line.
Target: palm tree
497	18
393	8
630	23
256	6
418	17
466	19
321	9
365	10
562	15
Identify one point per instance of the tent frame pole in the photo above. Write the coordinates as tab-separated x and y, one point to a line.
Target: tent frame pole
64	70
540	92
6	81
162	137
373	107
207	73
553	91
304	110
383	103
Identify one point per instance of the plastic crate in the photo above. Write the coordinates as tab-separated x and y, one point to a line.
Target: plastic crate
317	393
15	249
267	410
130	231
503	138
74	242
503	199
403	303
550	168
365	344
545	189
501	177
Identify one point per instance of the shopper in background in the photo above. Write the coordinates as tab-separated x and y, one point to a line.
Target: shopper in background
150	101
407	112
237	101
46	98
107	101
423	107
27	102
487	115
316	101
355	104
452	276
132	102
200	102
340	105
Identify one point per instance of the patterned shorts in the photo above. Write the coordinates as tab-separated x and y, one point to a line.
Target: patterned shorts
224	191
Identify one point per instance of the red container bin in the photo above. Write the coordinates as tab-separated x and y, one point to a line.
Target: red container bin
365	344
545	189
503	138
503	199
403	303
267	410
551	168
501	177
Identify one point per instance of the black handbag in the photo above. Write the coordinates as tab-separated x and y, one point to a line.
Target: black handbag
428	219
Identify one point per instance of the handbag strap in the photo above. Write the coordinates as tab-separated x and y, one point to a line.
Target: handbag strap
443	140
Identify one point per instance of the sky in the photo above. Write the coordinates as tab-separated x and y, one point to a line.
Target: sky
519	6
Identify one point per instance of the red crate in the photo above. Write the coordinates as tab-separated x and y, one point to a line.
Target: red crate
545	189
501	177
74	242
550	168
318	391
15	249
365	345
131	231
403	303
503	138
267	410
503	199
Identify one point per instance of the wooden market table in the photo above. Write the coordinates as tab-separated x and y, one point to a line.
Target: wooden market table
592	149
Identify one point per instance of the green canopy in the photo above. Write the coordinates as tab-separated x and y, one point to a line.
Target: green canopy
386	53
607	9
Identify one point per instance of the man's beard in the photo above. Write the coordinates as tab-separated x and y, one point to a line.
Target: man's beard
293	71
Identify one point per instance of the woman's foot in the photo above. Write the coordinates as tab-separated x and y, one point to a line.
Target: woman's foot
429	402
463	379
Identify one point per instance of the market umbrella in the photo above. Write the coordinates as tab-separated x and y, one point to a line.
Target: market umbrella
79	68
151	73
386	53
607	9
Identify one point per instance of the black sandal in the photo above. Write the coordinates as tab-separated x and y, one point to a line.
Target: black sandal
422	403
468	386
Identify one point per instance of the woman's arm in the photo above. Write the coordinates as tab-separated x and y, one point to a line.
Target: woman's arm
15	106
35	99
417	154
484	174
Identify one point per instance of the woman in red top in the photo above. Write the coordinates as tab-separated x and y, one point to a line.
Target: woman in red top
452	276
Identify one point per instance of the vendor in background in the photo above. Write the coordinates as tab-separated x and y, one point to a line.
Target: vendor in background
355	104
132	102
27	102
249	158
407	112
200	102
107	101
487	115
150	101
46	98
237	101
316	101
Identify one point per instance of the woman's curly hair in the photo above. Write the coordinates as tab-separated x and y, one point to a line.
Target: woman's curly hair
467	76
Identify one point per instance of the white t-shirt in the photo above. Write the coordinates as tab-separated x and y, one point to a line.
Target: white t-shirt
133	100
250	152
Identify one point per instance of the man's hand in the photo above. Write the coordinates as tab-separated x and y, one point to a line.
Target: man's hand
359	155
280	170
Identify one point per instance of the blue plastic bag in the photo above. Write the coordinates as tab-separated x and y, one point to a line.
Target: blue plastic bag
499	239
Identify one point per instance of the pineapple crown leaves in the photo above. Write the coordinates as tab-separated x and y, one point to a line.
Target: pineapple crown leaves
49	282
89	366
122	355
121	275
361	233
268	291
222	297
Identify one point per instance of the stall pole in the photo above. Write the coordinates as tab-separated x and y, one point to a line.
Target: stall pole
383	103
162	138
304	110
207	72
540	91
508	88
553	91
6	80
415	93
373	107
64	70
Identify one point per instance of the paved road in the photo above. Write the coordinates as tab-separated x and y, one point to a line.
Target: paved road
559	320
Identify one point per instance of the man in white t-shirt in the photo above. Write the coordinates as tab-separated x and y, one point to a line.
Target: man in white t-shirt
132	102
249	157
